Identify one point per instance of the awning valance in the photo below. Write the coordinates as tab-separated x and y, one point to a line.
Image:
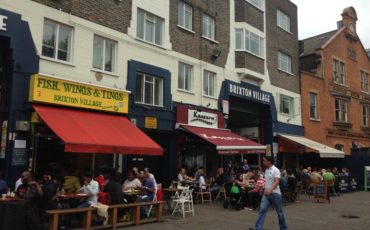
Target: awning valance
324	150
226	142
93	132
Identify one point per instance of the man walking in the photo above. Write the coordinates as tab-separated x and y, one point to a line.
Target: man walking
271	194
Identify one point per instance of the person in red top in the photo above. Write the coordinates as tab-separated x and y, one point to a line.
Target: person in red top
255	195
100	179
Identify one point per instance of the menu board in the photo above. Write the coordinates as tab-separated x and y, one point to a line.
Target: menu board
321	192
367	178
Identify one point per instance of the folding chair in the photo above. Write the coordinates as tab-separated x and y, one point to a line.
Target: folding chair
184	203
221	192
159	187
204	194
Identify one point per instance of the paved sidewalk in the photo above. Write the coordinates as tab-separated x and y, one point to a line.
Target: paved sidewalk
305	215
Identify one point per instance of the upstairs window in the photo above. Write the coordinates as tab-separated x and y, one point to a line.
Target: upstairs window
286	105
104	54
341	110
283	21
256	3
313	106
208	27
149	90
185	15
365	115
56	41
364	82
248	41
209	83
149	27
284	62
339	72
185	77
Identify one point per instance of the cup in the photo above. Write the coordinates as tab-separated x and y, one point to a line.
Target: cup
3	196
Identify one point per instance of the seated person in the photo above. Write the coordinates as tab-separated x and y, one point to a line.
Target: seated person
184	179
114	189
235	195
91	188
327	175
200	181
131	181
148	191
71	182
220	180
255	195
3	184
283	181
150	175
315	177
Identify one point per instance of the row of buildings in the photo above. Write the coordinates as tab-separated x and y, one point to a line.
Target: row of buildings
171	83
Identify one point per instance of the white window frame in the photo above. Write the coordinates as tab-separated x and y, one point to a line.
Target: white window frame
257	3
365	115
339	72
341	110
283	20
185	16
145	80
208	27
244	41
290	101
57	28
185	73
114	55
209	83
157	24
364	81
284	62
313	111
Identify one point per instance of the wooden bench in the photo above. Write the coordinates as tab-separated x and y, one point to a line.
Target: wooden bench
113	215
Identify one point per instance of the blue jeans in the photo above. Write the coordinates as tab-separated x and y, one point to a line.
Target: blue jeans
276	199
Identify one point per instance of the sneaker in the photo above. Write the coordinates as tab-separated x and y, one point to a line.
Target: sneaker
248	209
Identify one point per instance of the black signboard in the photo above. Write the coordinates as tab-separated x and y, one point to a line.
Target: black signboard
321	192
19	157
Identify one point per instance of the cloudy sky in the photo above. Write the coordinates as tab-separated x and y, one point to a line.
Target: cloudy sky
320	16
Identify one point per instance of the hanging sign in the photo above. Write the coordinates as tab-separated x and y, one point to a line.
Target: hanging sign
3	22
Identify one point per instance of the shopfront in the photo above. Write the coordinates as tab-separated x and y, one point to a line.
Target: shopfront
203	140
81	126
18	60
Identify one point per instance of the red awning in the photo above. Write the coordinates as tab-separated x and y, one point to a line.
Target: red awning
225	141
93	132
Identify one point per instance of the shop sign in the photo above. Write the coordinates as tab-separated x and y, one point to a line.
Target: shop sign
3	22
70	93
19	157
151	122
203	119
257	95
3	139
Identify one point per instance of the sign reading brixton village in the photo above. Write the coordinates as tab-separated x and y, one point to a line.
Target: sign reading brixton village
69	93
3	22
257	95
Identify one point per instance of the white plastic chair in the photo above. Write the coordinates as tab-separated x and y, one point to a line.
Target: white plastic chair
159	186
184	203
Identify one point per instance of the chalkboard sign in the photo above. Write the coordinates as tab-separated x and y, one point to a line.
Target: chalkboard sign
321	192
19	157
367	178
344	183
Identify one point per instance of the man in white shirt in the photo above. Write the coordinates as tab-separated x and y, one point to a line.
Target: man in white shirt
91	188
271	194
150	175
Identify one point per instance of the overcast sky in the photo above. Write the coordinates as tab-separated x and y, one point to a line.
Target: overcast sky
320	16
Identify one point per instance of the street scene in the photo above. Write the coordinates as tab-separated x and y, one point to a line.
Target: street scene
174	114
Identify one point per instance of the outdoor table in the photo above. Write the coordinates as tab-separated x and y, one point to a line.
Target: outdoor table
131	195
168	194
72	199
18	214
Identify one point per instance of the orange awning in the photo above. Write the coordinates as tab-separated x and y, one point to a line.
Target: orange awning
93	132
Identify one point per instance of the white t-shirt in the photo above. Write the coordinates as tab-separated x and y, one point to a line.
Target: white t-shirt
131	184
92	190
270	175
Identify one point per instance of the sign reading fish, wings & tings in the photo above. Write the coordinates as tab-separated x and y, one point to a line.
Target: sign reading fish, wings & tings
69	93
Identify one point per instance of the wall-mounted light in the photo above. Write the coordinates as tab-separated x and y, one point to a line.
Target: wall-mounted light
215	53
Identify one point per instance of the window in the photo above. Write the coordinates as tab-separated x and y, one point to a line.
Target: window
364	82
313	106
149	90
284	62
339	147
286	105
256	3
365	115
56	41
248	41
341	110
283	21
104	54
208	27
185	77
209	83
185	15
149	27
338	72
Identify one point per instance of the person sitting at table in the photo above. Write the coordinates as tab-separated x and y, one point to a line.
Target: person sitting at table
245	166
29	189
148	191
91	189
255	195
184	179
100	179
150	175
71	182
200	183
114	189
3	184
51	188
131	181
219	181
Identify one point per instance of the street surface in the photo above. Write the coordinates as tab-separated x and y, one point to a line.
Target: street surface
349	211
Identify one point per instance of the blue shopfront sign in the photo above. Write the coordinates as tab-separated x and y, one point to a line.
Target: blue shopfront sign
3	19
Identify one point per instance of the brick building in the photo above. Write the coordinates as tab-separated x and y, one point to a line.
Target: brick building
335	87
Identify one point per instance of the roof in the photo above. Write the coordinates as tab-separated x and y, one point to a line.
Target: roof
313	43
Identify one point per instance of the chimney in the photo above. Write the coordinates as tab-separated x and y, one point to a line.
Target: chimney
339	24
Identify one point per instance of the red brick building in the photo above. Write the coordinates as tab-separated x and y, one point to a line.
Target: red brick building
335	71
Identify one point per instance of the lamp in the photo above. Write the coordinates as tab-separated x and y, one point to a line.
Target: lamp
215	53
